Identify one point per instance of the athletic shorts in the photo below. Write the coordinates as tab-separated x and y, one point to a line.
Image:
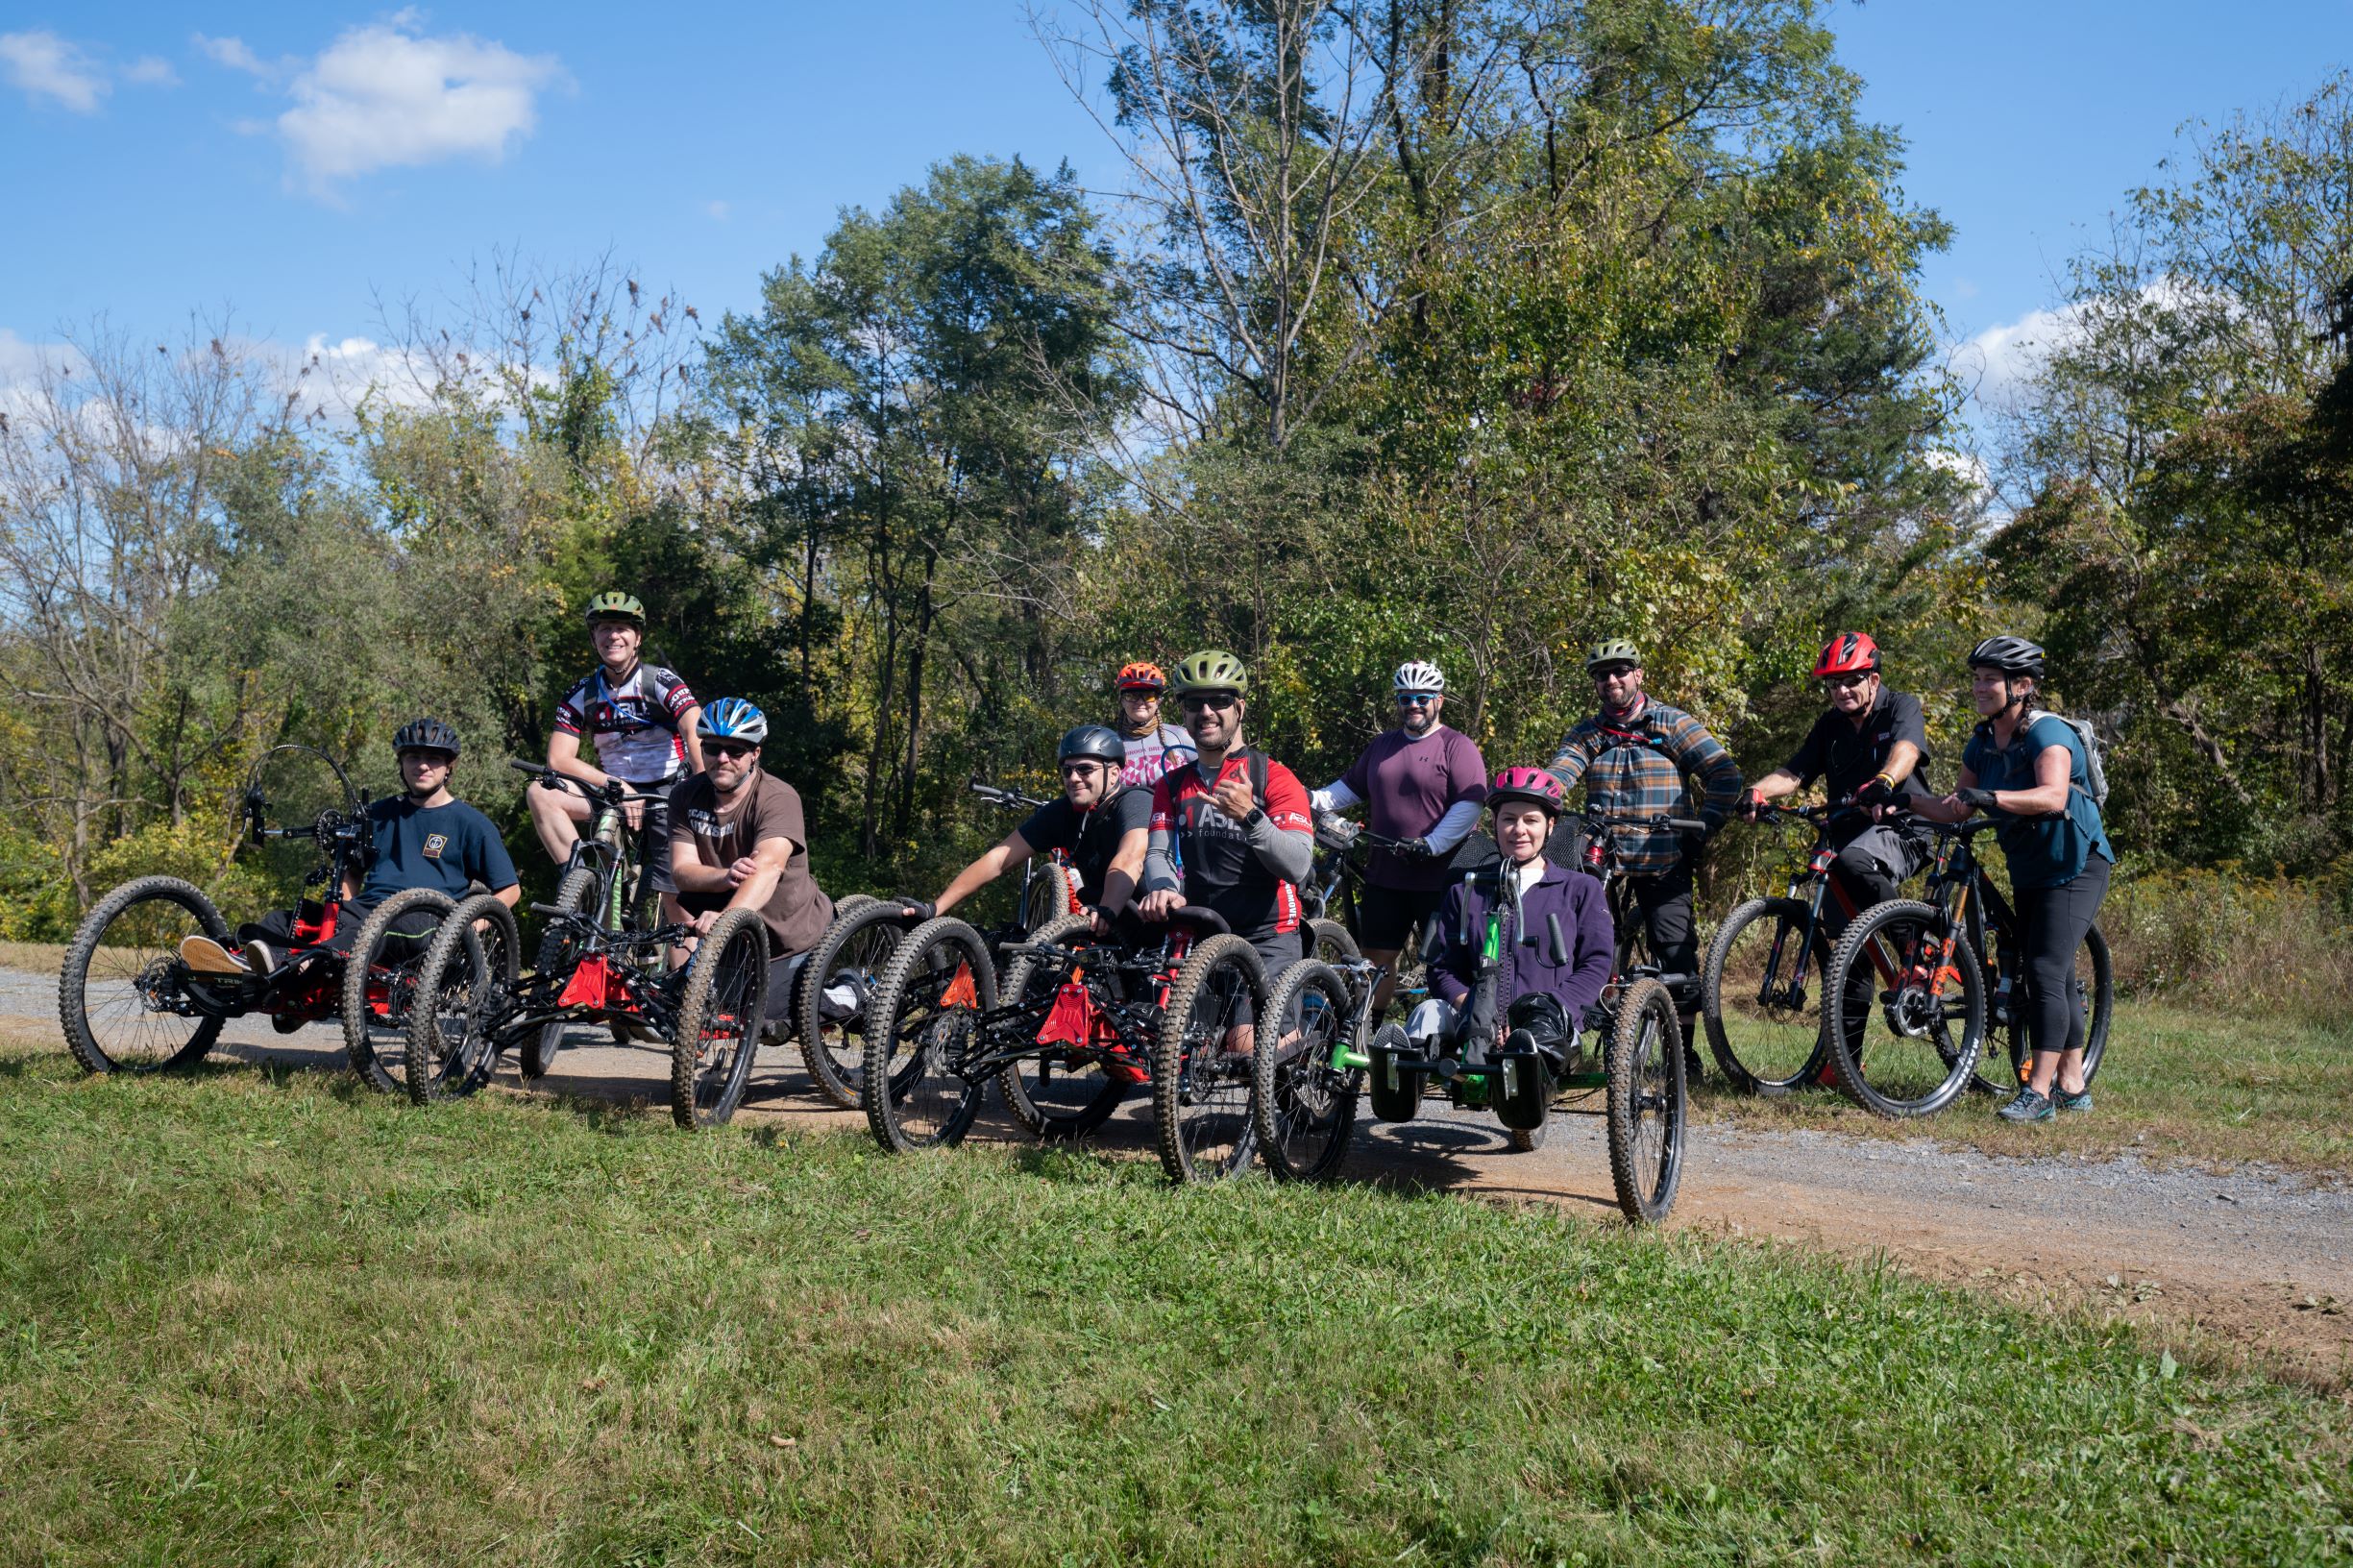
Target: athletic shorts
1385	917
654	843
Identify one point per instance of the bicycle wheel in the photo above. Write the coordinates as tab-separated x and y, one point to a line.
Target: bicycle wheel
1056	1099
837	986
2095	976
1646	1103
1302	1108
122	990
1051	894
718	1028
559	953
1200	1085
1332	942
1760	997
1905	1023
924	1022
462	989
379	975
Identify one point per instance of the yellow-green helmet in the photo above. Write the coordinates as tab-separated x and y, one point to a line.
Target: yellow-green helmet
1211	670
615	606
1612	651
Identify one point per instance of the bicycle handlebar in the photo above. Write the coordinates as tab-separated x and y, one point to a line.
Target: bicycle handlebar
1008	799
1607	821
613	790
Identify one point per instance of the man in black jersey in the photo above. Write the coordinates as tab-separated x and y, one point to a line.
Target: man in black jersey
1870	749
1098	822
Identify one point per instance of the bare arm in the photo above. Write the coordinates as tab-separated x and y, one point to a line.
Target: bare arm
564	756
1125	870
981	873
690	731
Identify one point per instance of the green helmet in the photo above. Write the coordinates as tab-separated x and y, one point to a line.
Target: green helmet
615	606
1211	670
1612	651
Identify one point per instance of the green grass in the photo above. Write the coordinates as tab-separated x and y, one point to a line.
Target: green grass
261	1319
2175	1084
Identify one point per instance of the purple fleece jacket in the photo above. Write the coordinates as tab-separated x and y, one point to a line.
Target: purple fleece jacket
1585	930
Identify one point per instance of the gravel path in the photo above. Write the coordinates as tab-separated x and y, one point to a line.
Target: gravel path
2252	1258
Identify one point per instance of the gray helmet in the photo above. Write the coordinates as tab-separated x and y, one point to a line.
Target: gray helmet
425	735
1612	651
1099	741
2011	655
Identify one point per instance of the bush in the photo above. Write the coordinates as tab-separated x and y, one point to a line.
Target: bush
36	901
2223	938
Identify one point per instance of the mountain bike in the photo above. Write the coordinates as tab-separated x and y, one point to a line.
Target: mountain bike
1329	896
1760	992
603	879
1049	888
1939	989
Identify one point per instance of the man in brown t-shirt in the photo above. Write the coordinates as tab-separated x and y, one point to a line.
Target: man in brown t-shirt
736	842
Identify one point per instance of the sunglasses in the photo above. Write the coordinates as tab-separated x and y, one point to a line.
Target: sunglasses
728	749
1843	683
1416	700
1611	672
1218	701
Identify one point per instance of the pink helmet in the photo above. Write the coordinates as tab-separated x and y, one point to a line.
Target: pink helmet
1531	784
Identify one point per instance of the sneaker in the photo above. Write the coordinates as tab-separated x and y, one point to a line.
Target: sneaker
2028	1107
842	999
2080	1100
258	958
205	956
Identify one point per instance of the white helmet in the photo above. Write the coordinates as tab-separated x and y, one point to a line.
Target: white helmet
1418	675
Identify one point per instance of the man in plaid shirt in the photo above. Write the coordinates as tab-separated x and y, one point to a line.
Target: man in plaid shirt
1634	757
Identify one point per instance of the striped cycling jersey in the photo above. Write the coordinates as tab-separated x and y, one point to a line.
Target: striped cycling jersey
635	726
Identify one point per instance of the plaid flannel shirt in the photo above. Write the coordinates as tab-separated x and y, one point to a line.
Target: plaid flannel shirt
1636	767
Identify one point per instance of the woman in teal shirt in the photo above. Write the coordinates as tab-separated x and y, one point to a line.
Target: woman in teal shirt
2029	767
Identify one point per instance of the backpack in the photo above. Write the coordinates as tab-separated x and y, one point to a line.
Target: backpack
2095	757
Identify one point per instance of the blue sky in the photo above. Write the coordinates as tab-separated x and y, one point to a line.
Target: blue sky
299	162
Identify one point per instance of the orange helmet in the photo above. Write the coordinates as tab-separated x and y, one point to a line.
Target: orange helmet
1141	676
1848	653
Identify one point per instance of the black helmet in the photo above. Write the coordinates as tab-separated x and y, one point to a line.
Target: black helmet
425	735
1100	741
2011	655
1542	1016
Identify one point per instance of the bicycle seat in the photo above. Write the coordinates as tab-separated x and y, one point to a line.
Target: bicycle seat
1208	919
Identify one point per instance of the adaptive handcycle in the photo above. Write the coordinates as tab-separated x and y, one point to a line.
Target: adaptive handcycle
598	967
1078	1021
129	1002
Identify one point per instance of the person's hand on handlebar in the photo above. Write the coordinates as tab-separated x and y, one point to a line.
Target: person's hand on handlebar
1416	849
1751	806
1159	905
1975	799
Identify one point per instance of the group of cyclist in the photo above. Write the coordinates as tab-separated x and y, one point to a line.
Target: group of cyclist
1155	816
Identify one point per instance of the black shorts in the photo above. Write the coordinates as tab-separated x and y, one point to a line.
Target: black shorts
1385	917
654	843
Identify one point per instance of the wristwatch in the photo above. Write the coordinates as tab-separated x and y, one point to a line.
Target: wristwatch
1257	815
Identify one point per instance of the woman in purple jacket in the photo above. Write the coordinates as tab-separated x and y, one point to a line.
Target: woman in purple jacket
1533	896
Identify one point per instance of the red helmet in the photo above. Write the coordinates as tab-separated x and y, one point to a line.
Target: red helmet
1141	676
1848	653
1530	784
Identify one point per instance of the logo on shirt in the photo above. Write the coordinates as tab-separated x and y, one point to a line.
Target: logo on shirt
434	843
707	823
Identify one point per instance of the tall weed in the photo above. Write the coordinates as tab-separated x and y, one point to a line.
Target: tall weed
2224	938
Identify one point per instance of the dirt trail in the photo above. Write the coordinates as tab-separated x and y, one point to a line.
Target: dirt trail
2252	1259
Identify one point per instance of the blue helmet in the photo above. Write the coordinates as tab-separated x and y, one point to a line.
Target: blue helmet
732	718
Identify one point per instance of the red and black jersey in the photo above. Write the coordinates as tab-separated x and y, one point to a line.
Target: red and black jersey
1221	871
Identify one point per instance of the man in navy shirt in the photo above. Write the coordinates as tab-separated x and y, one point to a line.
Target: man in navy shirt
427	838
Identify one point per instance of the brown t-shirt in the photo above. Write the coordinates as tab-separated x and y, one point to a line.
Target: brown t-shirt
797	912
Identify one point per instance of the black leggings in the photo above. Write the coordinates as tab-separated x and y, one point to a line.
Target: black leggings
2051	922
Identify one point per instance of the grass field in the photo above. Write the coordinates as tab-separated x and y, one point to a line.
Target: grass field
264	1318
2174	1085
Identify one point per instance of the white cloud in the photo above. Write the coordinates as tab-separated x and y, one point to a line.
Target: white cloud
150	71
232	53
2000	359
44	66
381	96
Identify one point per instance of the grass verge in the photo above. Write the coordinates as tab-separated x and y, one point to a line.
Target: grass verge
2176	1084
269	1318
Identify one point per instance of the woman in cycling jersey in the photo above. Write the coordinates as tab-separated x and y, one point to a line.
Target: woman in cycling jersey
2028	766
